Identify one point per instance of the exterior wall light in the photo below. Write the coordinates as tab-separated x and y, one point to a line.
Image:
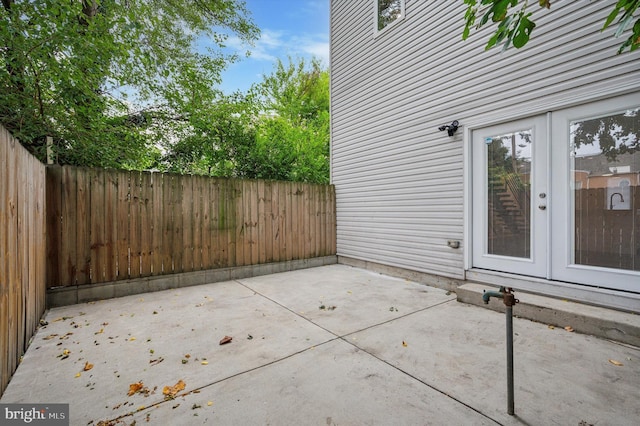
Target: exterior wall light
450	128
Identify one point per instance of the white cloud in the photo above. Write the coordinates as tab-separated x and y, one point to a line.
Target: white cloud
278	44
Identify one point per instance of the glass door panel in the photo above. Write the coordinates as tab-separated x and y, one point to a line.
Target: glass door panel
509	194
606	187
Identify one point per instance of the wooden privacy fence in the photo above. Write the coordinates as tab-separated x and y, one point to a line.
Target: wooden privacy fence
22	251
108	225
605	237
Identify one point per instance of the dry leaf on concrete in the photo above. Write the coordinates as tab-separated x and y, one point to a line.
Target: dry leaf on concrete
616	363
171	391
135	387
225	340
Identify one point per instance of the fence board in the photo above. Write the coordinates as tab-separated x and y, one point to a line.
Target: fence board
83	226
134	204
110	230
206	224
216	252
178	250
262	222
198	221
122	225
236	217
68	244
53	209
167	227
157	206
5	367
22	211
146	218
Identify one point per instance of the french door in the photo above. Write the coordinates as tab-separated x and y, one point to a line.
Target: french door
596	194
510	212
557	196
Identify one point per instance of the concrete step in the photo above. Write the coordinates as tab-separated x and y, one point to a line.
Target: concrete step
601	322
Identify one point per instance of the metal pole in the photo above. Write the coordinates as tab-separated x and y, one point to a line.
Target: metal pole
509	315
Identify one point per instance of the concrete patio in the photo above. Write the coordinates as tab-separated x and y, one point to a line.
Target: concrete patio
333	345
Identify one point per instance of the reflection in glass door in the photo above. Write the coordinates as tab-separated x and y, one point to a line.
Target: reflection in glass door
606	190
509	194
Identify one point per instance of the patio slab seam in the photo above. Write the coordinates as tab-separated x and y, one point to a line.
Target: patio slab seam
419	380
344	338
215	382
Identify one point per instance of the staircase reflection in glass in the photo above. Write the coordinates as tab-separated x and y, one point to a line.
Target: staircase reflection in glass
509	194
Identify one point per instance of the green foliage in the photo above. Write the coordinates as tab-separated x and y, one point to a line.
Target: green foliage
279	130
292	139
515	27
86	71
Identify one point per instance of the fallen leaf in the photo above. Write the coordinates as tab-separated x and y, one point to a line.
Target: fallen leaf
569	328
225	340
99	331
49	337
87	366
616	363
187	356
135	387
78	375
551	327
132	339
171	391
404	344
205	363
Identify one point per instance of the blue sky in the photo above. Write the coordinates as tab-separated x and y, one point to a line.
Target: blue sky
296	28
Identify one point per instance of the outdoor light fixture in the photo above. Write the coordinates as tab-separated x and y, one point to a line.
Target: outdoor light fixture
450	128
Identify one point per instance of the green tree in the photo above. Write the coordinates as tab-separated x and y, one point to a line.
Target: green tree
217	140
292	133
101	77
278	130
515	26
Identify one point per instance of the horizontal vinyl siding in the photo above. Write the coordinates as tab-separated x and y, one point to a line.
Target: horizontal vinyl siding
399	181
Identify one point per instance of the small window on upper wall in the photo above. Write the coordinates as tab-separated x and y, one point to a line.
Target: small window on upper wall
388	13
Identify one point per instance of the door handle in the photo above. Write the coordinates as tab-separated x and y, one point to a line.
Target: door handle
542	207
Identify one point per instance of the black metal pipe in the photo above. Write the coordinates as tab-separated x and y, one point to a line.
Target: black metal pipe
510	404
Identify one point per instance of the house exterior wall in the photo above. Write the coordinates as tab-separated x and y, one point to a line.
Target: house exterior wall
400	182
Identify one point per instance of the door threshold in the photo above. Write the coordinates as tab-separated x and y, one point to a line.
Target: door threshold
614	299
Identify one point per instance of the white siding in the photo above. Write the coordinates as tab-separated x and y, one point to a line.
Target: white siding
399	181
